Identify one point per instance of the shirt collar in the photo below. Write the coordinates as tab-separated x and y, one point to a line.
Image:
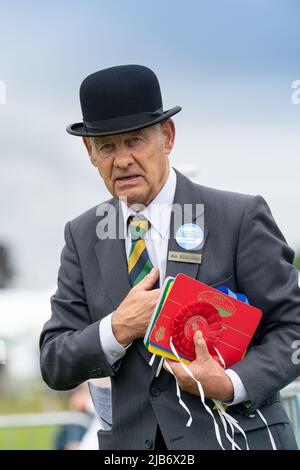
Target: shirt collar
158	212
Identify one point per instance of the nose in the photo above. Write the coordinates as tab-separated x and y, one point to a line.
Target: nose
123	157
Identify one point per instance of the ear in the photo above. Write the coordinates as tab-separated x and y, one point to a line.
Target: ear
87	144
168	133
89	148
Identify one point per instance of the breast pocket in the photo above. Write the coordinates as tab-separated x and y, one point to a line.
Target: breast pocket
225	281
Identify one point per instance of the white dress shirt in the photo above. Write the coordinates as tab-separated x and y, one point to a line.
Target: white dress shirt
158	213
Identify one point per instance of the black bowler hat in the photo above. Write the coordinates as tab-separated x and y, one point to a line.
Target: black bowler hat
120	99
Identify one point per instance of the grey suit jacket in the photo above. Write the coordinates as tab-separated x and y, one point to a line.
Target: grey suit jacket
243	249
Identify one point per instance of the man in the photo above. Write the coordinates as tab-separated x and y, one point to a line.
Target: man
107	288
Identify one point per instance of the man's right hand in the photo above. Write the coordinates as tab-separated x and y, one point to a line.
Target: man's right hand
131	318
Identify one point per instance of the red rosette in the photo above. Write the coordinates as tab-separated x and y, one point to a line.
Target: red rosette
192	317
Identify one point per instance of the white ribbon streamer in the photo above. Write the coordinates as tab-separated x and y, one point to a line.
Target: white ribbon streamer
231	421
220	357
229	417
230	439
220	408
225	417
152	360
270	434
201	392
181	402
159	366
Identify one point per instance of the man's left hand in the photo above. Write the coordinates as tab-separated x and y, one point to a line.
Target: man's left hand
215	382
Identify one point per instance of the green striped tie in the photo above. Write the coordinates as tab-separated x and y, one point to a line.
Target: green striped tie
139	263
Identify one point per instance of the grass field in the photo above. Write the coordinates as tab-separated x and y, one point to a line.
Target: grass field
30	438
37	438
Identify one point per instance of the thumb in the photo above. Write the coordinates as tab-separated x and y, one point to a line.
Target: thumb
201	350
148	281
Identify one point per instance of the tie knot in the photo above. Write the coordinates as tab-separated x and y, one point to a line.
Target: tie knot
138	226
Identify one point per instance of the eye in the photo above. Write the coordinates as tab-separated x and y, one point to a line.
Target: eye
133	141
107	148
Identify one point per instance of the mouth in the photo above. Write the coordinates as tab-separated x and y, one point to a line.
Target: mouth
129	179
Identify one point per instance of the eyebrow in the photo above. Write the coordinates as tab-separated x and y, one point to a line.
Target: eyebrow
109	139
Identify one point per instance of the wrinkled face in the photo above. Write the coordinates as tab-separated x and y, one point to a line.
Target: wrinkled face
134	164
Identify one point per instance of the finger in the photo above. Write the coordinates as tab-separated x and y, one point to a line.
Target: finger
174	366
148	281
154	293
201	350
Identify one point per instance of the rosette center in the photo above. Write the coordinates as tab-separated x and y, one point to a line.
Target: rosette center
191	317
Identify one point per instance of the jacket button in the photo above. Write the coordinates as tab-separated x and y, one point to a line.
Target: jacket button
155	392
148	444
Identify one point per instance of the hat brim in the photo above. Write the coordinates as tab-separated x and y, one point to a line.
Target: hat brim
79	129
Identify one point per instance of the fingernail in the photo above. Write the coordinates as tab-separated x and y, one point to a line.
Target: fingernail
199	334
152	271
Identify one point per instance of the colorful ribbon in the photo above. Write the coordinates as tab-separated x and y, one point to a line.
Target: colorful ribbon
235	295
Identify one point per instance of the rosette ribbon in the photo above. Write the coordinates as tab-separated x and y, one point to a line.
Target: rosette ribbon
195	316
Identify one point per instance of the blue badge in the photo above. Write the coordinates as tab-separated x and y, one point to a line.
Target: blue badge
189	236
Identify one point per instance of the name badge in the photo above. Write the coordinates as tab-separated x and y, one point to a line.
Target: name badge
183	257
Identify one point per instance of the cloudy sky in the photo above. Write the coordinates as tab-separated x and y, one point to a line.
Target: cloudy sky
229	64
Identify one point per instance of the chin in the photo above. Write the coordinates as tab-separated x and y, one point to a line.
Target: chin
134	197
138	195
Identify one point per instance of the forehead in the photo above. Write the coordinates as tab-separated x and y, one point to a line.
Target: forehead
117	137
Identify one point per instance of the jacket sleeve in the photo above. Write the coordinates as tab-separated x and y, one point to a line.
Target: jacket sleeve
70	346
265	274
